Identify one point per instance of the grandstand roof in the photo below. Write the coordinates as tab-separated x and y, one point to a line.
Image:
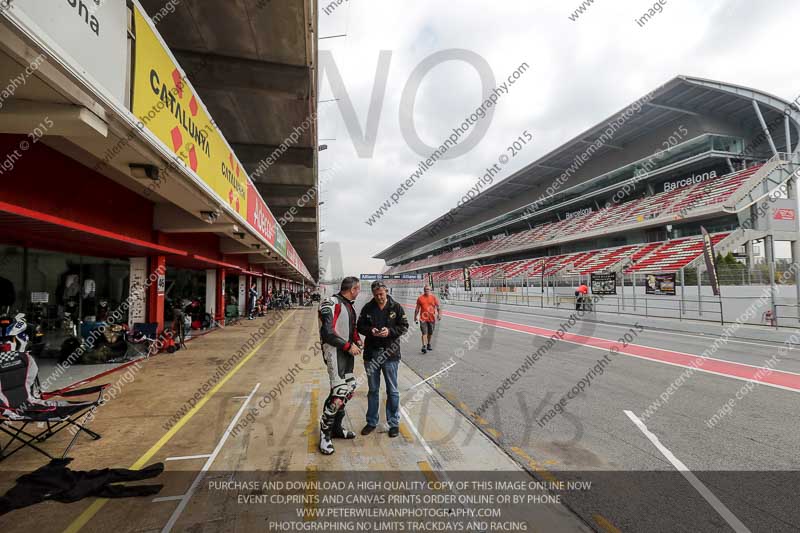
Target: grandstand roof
679	98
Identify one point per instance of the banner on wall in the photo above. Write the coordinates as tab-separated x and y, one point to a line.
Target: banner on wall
259	216
604	283
280	241
660	284
92	39
167	105
291	255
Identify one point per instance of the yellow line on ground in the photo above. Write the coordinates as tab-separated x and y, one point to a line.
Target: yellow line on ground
535	466
605	524
493	432
311	427
480	420
428	471
406	434
98	504
311	478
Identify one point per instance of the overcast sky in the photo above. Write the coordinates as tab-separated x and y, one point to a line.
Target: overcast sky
580	73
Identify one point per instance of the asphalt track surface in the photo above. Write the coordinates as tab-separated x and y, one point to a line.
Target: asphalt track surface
743	472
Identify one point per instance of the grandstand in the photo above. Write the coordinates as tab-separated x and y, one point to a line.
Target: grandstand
631	194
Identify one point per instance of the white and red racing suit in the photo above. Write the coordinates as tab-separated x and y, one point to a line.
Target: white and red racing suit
337	334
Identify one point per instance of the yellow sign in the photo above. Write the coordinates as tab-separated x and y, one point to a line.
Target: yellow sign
165	103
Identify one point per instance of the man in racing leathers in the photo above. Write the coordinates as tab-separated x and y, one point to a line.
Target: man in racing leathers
340	345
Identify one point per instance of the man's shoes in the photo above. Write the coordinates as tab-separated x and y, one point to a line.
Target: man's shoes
325	444
429	348
424	350
367	429
393	432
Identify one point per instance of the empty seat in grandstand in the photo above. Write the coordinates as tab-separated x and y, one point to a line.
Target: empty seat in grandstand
673	255
568	264
603	259
648	208
521	268
616	212
486	271
712	192
652	257
643	251
707	193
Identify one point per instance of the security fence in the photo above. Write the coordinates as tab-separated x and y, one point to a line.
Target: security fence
746	295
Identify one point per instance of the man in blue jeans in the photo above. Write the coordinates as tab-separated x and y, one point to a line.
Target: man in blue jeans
382	322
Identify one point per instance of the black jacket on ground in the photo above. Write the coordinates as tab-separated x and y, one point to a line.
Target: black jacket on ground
393	317
54	481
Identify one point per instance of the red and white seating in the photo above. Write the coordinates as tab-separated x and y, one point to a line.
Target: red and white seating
639	210
673	255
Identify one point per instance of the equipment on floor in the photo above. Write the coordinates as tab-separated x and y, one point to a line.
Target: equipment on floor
23	403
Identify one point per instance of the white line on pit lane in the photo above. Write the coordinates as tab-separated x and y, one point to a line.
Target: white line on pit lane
186	497
188	457
168	498
433	376
718	506
417	433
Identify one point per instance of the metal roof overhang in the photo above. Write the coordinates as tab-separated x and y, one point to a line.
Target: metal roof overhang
90	125
35	229
254	65
678	97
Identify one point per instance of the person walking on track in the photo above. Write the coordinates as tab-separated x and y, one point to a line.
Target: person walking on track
427	312
581	297
382	322
340	345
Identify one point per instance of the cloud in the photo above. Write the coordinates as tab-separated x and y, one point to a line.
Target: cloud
580	73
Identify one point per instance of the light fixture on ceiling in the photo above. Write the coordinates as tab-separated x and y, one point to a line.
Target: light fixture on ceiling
209	216
145	171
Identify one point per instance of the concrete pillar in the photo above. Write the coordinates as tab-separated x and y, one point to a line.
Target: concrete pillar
792	194
211	291
796	264
748	250
769	248
220	297
242	298
137	311
699	291
155	308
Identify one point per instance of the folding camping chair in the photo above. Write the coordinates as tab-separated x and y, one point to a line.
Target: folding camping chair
22	402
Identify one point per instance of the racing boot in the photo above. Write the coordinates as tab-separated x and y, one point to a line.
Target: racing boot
325	444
